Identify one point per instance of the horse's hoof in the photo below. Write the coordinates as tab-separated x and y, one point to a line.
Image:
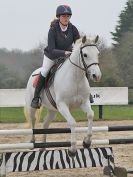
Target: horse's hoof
32	141
86	144
72	153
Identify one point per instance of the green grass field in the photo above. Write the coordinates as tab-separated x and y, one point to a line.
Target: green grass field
16	115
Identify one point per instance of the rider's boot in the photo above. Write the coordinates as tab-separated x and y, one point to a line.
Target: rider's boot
91	99
36	102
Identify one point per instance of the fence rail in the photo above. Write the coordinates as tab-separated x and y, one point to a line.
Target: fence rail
101	95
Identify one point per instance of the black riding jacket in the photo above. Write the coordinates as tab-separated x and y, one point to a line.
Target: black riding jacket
59	41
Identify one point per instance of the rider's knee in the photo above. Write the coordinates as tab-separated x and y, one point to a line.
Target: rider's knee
44	72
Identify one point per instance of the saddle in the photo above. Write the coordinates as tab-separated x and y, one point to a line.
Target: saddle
50	78
51	74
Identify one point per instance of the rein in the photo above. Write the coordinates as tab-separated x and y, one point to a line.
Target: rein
83	61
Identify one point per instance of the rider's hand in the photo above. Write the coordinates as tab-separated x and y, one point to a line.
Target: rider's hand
67	53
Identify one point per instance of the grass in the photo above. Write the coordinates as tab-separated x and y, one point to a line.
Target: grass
16	115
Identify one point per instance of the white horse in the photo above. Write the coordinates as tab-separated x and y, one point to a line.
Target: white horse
70	88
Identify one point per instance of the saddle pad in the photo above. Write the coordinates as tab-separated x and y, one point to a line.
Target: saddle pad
35	81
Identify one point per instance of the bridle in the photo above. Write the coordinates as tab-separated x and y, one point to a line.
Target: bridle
85	68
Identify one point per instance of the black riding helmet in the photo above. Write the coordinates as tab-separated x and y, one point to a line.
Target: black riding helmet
63	10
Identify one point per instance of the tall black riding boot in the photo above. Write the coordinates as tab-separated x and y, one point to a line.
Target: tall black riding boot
36	100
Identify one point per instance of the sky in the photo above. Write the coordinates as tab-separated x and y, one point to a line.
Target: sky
24	24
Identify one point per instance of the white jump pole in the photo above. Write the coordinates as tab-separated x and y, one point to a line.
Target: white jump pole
49	131
63	144
65	130
48	144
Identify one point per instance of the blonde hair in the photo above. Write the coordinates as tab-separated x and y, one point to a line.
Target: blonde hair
53	22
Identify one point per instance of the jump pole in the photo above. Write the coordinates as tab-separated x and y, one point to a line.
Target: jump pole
130	170
63	144
65	130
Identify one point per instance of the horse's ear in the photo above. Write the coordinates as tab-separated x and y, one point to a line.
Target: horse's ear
96	39
84	39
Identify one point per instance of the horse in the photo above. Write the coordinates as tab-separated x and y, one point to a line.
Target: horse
69	90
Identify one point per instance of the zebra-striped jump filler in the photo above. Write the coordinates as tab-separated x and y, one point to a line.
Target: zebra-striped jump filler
55	159
65	130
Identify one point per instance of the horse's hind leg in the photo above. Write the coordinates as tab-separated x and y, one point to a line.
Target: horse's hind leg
47	120
32	114
86	108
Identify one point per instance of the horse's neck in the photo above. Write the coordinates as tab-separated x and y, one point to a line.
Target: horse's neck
74	71
76	58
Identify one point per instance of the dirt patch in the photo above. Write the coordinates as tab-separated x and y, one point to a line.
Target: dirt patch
123	153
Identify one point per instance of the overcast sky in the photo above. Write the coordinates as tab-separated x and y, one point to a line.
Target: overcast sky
25	23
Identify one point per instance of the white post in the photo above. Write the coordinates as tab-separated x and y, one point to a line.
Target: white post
2	165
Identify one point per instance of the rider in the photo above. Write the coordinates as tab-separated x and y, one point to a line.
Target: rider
62	34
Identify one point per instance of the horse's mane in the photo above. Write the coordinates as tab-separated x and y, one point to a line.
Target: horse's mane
89	40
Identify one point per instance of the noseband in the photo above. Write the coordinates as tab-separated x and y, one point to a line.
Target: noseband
83	61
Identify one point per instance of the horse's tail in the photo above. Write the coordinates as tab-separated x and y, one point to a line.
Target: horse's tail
30	113
28	123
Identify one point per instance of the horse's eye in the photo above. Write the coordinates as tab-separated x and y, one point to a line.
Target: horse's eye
85	55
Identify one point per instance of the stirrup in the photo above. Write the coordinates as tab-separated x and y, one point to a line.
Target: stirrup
36	103
91	99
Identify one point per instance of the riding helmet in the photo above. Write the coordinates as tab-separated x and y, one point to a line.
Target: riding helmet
63	10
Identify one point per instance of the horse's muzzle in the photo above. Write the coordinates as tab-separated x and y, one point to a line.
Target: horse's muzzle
96	78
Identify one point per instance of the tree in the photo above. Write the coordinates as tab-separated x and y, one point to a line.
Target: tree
124	58
125	23
16	66
123	47
110	71
8	79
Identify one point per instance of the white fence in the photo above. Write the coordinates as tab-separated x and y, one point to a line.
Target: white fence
12	97
101	95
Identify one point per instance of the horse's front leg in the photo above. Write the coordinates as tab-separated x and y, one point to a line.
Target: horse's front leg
64	110
86	108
